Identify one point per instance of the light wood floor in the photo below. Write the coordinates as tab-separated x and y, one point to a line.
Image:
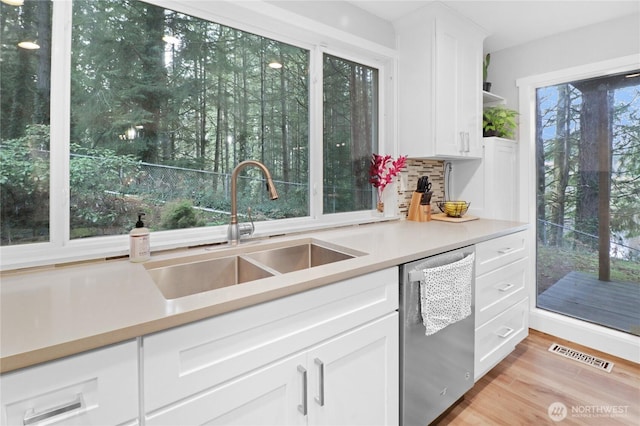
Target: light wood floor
520	389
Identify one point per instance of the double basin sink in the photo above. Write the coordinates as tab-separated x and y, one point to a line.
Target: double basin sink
182	277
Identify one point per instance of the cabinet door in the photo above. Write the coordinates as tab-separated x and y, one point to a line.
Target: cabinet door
354	377
458	102
439	84
501	177
449	138
272	395
93	388
471	95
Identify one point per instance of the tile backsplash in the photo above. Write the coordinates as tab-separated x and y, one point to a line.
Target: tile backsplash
414	170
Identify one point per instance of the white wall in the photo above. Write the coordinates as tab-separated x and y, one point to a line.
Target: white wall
580	50
607	40
344	17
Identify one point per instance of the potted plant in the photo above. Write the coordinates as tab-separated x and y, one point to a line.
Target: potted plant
499	121
486	86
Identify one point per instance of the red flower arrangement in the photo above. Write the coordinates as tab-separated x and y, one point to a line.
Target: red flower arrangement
382	171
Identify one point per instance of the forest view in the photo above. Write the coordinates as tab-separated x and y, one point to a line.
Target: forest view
162	107
588	159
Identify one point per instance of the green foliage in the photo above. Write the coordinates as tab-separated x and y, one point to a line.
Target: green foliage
100	179
152	121
563	158
24	186
499	121
625	175
179	215
485	66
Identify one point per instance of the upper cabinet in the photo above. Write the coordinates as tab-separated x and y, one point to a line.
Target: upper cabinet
439	84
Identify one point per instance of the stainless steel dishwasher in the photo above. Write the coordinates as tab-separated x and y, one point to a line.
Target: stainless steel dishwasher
437	369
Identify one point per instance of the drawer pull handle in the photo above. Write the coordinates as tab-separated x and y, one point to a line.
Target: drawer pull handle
303	407
320	398
31	416
506	250
507	333
507	287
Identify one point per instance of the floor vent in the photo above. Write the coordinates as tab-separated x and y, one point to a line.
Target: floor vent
593	361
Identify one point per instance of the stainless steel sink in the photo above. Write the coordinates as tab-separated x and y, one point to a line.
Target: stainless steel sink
299	256
184	279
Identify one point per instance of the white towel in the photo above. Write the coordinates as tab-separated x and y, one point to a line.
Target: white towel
445	294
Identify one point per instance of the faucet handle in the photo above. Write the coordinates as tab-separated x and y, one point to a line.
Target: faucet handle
247	228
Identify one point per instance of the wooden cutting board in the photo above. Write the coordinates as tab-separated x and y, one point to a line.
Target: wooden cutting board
443	217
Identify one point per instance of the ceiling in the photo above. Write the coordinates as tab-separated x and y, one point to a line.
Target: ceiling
513	22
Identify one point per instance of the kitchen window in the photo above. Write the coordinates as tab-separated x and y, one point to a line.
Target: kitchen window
350	133
152	109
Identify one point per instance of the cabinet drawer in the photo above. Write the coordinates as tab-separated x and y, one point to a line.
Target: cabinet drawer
188	359
499	289
94	388
497	338
498	252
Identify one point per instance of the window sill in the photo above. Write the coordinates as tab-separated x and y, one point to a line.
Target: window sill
39	255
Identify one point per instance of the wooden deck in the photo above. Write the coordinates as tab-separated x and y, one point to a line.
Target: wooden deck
611	304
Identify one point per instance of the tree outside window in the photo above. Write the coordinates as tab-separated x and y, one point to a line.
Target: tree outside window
163	106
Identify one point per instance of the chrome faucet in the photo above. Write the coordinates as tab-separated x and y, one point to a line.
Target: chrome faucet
235	230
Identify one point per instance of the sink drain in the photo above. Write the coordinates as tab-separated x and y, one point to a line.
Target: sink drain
593	361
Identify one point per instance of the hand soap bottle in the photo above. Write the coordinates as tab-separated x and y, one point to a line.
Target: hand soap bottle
139	248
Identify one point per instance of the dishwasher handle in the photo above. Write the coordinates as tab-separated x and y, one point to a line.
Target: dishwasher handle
417	273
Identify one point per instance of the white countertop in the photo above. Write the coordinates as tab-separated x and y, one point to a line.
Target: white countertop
59	311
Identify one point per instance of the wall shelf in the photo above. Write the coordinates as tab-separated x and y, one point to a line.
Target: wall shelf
491	99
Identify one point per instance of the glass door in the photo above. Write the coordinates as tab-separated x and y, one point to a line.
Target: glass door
588	200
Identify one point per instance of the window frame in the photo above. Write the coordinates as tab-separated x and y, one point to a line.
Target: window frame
316	37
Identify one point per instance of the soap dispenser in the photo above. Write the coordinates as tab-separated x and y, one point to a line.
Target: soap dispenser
139	247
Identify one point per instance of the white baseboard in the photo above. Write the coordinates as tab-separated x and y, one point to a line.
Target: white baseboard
616	343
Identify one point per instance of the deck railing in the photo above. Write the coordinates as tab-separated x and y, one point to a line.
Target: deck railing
582	241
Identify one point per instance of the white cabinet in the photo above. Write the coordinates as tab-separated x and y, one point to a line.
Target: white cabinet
439	84
93	388
269	395
500	156
499	171
490	185
267	364
349	380
501	309
354	377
